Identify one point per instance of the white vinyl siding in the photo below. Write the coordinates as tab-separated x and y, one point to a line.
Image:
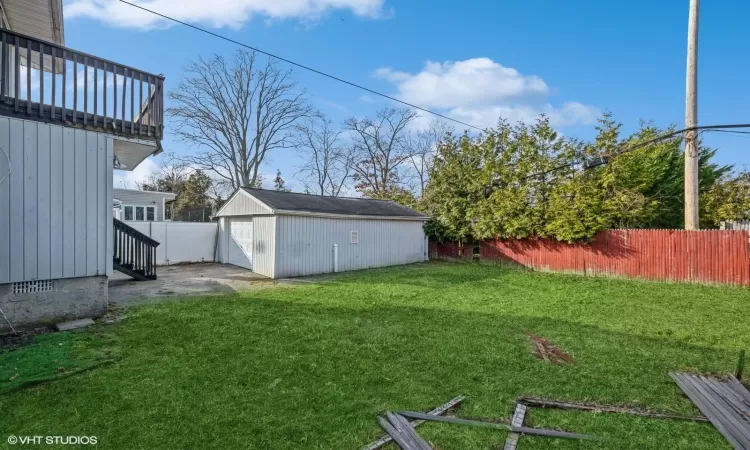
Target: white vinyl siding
242	204
264	242
56	203
304	244
264	245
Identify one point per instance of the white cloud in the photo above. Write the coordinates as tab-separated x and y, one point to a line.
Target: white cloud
479	91
130	179
222	13
454	84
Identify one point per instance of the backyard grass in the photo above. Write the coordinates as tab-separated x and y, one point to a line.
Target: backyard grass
311	367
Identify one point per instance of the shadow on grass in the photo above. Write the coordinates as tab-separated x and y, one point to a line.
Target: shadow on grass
194	372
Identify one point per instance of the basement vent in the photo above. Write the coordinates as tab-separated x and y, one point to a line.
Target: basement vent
354	237
26	287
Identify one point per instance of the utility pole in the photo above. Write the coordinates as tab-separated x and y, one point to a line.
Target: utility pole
691	120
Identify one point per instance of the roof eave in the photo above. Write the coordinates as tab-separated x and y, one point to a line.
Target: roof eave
289	212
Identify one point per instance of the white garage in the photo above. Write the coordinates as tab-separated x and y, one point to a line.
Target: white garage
285	234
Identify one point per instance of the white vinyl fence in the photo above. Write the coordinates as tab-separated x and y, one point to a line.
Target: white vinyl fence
181	241
736	225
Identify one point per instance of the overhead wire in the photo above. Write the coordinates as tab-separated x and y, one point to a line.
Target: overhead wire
728	128
627	149
305	67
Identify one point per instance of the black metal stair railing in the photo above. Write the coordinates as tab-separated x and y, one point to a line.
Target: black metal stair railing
134	252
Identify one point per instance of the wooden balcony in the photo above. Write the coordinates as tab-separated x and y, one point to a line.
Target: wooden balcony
43	81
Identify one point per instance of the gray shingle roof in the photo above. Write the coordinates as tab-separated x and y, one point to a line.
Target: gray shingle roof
292	201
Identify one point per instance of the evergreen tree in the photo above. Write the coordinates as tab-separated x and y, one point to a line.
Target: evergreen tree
278	183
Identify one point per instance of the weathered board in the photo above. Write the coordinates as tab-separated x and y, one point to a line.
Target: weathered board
725	403
415	423
518	417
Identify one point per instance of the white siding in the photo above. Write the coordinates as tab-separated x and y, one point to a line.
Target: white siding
241	204
264	245
305	244
55	206
143	198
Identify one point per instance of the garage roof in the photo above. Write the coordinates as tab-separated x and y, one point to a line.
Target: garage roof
291	202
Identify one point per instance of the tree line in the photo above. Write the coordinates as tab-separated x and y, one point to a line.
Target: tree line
512	181
519	181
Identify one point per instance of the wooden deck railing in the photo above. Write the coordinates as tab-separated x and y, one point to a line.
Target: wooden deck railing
43	81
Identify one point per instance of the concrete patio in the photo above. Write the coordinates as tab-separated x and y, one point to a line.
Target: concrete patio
184	280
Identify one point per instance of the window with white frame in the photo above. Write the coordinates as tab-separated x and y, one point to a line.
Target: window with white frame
354	237
139	213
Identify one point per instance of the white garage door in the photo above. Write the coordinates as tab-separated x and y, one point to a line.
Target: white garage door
241	242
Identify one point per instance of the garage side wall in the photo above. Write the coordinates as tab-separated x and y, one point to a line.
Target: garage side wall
305	244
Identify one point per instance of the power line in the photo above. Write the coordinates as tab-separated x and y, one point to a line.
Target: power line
302	66
730	131
602	160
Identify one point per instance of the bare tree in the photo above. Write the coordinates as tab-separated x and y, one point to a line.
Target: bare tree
170	177
423	148
326	165
379	147
235	113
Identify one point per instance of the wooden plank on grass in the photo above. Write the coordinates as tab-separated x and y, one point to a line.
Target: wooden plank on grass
403	426
711	408
442	409
402	441
498	426
738	387
725	410
518	417
542	403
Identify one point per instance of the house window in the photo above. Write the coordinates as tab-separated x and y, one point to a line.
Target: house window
139	213
354	237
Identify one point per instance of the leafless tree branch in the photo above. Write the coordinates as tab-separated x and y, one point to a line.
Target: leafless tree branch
234	114
379	147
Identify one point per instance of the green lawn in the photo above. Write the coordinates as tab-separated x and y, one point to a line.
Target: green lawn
310	367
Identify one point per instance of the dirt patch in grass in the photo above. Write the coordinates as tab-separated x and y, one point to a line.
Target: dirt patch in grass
545	350
12	341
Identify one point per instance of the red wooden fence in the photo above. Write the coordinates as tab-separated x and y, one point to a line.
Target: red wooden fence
715	256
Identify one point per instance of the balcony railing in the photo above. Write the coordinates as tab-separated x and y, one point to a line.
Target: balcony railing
43	81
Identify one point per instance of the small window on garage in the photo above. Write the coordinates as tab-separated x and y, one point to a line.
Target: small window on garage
354	237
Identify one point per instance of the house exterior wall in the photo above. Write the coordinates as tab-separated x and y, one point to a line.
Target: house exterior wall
55	202
69	298
143	198
241	204
304	244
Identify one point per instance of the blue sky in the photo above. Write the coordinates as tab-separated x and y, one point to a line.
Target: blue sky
516	58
